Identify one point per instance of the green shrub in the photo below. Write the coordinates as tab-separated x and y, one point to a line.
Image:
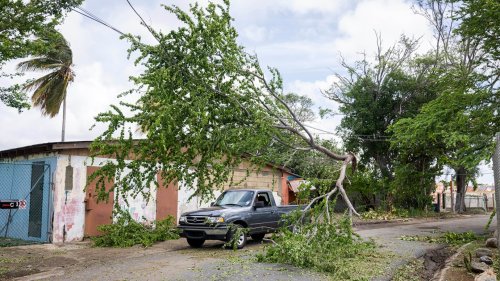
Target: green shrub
381	214
490	220
454	238
126	232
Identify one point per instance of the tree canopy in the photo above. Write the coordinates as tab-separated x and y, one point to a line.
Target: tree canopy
49	91
480	21
24	29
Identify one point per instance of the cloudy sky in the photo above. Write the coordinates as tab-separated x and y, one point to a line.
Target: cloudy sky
302	38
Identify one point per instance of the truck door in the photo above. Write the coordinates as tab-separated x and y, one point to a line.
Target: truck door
265	216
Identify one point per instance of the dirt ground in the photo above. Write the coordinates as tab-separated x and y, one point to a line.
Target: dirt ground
20	261
28	260
174	260
170	260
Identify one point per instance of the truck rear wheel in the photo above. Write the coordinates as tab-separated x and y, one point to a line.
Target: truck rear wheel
258	237
195	243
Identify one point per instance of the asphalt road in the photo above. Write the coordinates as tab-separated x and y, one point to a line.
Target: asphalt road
173	260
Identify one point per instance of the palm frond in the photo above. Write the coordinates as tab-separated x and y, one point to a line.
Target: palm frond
40	64
45	97
54	101
49	91
37	82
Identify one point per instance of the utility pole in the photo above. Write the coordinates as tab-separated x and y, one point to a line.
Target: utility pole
451	195
496	176
64	120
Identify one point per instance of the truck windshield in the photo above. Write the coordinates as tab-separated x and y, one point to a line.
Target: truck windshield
235	198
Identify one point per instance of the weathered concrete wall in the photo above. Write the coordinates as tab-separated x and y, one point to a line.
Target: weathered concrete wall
69	205
140	207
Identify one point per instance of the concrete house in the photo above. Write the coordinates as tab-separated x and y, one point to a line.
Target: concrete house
50	179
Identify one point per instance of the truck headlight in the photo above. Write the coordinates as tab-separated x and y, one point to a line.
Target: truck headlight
182	219
215	219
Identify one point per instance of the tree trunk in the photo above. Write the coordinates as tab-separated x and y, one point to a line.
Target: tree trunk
384	166
461	189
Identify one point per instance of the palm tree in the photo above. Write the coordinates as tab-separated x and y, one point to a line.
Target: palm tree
49	91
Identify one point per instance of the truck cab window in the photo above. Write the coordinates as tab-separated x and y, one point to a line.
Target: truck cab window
264	197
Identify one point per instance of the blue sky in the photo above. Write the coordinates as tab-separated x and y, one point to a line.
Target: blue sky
302	38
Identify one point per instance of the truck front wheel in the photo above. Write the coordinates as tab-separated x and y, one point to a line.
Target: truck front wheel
237	236
195	243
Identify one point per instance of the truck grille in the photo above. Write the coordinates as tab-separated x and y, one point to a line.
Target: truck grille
196	220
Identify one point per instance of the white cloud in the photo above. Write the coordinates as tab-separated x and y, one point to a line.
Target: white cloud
318	6
390	18
256	33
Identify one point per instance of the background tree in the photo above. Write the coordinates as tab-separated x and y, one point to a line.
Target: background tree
49	91
373	96
479	20
456	128
22	24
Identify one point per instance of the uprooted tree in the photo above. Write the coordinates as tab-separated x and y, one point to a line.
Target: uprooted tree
205	105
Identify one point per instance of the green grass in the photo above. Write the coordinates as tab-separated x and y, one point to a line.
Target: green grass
410	271
398	214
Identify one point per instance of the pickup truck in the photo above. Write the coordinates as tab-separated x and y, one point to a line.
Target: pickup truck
252	209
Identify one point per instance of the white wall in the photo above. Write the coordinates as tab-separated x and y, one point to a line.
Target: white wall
69	206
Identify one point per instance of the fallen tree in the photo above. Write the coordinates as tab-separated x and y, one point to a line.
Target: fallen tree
203	104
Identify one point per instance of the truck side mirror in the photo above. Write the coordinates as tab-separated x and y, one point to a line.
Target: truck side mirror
212	204
258	204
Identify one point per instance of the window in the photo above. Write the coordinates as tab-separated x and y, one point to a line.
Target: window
264	197
238	198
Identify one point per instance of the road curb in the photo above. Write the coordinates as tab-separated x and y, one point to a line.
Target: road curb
439	275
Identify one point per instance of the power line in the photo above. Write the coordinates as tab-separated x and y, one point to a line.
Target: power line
143	21
95	18
137	13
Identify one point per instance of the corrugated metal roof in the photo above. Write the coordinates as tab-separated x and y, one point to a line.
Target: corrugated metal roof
43	148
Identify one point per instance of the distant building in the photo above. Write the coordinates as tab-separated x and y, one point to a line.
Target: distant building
483	196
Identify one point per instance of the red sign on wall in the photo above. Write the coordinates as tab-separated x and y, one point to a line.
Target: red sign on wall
22	204
10	204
